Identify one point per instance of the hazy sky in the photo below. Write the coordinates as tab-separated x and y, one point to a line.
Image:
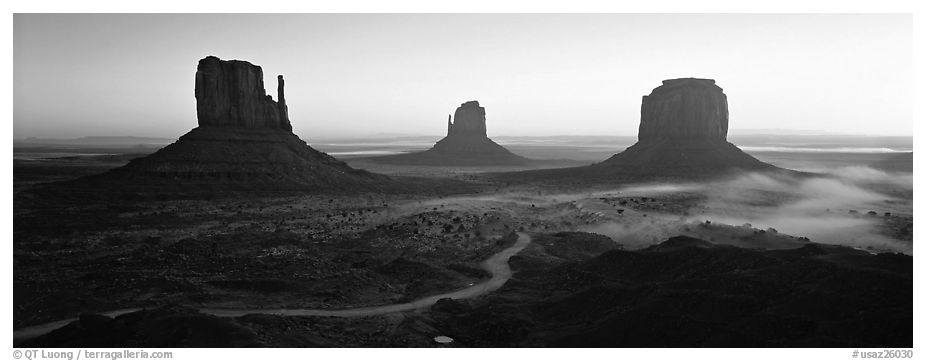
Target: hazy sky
541	74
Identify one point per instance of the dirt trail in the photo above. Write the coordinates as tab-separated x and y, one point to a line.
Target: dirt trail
497	265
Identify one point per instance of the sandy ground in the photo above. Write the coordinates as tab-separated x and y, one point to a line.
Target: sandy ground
317	251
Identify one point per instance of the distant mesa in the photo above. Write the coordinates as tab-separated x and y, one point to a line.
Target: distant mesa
683	130
244	141
682	134
466	144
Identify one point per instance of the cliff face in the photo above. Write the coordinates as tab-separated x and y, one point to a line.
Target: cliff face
469	120
686	108
231	94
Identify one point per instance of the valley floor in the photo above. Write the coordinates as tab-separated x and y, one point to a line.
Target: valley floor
600	271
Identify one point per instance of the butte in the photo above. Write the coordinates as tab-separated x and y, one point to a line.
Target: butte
243	143
466	144
682	135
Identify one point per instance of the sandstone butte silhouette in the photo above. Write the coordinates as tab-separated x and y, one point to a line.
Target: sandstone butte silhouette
244	141
682	134
466	144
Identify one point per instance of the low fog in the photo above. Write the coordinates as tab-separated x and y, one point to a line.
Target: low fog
831	209
749	210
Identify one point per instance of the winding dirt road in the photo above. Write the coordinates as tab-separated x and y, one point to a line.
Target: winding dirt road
497	265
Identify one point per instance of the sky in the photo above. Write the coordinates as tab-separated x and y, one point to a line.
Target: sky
361	75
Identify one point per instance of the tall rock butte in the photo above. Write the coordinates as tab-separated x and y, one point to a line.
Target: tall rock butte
244	142
682	135
231	94
685	109
466	144
683	132
470	121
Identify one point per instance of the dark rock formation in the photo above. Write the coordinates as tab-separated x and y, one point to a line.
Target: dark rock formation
231	94
466	144
686	109
244	142
470	121
248	160
683	135
683	132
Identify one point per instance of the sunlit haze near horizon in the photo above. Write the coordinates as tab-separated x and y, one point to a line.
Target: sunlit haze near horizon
401	74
